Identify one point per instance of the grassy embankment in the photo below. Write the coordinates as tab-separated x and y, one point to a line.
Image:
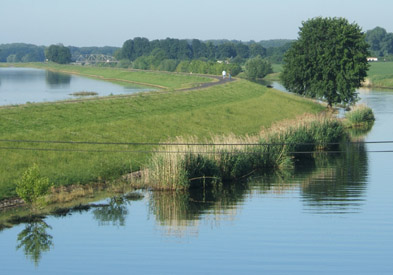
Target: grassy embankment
160	80
240	107
380	75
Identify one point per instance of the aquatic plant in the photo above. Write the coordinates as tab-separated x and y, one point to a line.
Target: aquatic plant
190	162
360	116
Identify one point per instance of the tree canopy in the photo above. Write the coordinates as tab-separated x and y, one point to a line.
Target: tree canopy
328	61
258	67
381	42
58	54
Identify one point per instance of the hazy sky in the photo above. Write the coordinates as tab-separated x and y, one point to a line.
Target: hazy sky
111	22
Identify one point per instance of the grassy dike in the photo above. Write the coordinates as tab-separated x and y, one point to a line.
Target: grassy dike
239	107
162	80
380	75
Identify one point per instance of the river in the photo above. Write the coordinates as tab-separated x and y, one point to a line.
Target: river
333	215
27	85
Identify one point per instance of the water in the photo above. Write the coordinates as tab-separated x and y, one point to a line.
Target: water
333	216
23	85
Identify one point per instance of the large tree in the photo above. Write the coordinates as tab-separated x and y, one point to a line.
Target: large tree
58	54
328	61
257	68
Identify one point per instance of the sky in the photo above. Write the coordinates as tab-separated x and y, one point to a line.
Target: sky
111	22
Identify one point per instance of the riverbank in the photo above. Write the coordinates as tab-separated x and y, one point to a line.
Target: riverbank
100	140
380	75
157	79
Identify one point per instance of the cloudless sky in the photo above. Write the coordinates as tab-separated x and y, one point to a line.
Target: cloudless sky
111	22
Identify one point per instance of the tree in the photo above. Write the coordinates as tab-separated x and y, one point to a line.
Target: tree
328	61
58	54
375	37
32	185
258	67
257	49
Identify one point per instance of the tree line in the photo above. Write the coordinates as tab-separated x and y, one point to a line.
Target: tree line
22	52
381	42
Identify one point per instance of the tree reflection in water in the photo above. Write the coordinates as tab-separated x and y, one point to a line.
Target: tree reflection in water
54	79
114	213
338	187
179	213
34	240
327	183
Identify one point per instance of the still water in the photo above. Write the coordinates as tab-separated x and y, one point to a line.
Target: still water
23	85
333	215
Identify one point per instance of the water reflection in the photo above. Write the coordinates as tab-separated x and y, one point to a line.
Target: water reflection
338	187
179	213
114	213
35	240
327	184
57	80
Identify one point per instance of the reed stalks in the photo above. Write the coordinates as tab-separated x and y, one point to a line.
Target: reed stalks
360	116
191	162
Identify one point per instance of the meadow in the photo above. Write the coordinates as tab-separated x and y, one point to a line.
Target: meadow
162	80
380	75
101	130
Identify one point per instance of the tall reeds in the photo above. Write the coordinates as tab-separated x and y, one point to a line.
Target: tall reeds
192	163
360	116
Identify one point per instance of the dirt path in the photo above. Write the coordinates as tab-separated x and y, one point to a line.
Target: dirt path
220	81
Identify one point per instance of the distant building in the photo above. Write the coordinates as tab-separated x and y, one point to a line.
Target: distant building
372	59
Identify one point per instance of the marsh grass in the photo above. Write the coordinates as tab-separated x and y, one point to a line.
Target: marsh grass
360	116
191	162
84	93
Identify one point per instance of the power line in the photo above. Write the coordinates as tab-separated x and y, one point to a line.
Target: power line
181	144
173	152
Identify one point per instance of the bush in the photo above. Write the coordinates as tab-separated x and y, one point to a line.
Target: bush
360	115
258	67
32	186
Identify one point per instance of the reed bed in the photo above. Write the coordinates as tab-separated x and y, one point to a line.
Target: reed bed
191	162
360	116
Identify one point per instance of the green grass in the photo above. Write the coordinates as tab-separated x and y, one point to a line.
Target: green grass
277	68
380	75
122	76
240	107
195	165
275	76
360	116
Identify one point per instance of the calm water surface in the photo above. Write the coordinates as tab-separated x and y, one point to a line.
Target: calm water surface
22	85
333	216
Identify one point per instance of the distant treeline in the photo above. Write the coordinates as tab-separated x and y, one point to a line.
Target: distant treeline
21	52
381	42
212	50
174	49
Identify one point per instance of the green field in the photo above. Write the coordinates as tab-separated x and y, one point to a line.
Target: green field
239	107
122	76
380	75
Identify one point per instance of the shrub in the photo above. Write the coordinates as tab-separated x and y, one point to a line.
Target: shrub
32	185
360	115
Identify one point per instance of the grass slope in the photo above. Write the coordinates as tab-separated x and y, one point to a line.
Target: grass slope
240	107
380	74
162	80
